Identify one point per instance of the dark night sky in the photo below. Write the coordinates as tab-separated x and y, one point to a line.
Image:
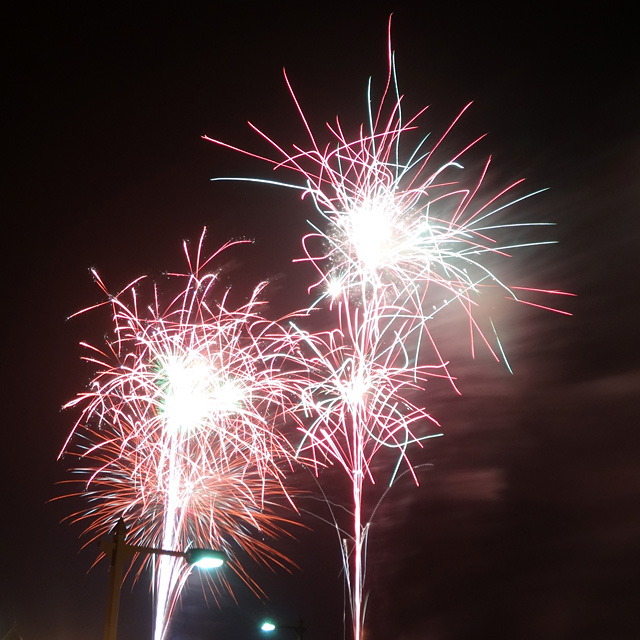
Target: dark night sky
528	523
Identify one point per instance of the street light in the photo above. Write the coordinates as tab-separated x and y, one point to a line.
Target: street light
120	550
268	626
205	558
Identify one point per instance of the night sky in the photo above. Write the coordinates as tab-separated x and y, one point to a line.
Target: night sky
526	523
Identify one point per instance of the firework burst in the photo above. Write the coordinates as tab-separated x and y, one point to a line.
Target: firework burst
398	223
400	237
178	429
357	400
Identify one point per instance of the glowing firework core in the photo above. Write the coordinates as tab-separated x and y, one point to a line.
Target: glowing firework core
371	230
195	391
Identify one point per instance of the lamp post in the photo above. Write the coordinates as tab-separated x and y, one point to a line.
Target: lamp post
268	626
120	550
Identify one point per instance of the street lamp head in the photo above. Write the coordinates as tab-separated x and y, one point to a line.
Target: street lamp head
267	626
205	558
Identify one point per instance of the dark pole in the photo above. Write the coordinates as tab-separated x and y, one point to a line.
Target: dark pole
300	629
118	549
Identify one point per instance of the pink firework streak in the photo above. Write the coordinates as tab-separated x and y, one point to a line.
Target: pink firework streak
401	237
178	430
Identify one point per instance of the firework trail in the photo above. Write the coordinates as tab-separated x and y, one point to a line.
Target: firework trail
176	431
400	238
357	402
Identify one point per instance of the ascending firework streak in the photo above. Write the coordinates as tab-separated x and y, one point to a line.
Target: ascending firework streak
357	403
176	431
400	240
